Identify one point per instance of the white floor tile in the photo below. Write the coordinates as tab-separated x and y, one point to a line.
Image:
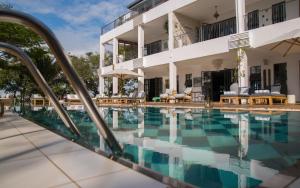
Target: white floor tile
33	173
16	148
85	164
50	143
122	179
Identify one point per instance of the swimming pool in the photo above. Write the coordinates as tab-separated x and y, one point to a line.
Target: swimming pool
204	148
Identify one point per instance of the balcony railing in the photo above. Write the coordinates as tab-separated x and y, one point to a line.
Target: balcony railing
278	14
141	8
206	32
156	47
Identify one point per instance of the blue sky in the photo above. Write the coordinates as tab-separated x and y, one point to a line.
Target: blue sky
76	23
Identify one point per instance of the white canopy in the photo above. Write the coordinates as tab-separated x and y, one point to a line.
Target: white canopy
121	73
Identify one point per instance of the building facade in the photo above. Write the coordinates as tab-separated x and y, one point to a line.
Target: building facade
200	43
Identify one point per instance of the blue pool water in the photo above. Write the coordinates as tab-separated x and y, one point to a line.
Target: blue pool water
205	148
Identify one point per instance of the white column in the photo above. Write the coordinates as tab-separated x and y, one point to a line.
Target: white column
243	68
173	76
171	30
101	63
240	15
141	80
115	61
141	41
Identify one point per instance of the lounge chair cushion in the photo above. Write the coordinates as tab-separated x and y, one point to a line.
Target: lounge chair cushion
141	95
230	93
188	90
180	96
163	96
244	91
275	89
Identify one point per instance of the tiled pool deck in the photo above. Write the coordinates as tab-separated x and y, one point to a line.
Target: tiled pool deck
31	156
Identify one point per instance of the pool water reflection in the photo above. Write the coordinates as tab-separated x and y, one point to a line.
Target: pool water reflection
205	148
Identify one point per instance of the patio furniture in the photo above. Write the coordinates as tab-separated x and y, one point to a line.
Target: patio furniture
166	96
102	99
156	99
72	99
140	97
37	100
186	96
236	95
268	97
132	97
119	99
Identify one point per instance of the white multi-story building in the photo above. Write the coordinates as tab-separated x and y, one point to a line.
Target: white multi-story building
181	43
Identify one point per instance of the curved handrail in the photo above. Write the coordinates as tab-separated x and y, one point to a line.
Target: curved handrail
26	60
64	62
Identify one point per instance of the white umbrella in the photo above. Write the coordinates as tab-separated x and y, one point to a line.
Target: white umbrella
290	46
122	74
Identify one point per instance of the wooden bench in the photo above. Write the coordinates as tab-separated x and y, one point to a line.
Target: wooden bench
267	99
234	99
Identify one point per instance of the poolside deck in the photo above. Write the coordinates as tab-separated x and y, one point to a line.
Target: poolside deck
216	105
31	156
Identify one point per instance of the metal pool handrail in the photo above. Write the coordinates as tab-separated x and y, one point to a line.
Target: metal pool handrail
26	60
64	62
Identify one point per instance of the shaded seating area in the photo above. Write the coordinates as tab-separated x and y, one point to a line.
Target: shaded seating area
236	95
268	97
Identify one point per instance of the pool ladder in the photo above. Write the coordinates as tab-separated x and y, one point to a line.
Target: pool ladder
12	16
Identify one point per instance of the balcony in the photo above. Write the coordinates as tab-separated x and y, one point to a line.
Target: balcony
272	14
206	32
156	47
135	10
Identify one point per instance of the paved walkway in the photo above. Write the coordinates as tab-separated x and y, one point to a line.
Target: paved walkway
31	156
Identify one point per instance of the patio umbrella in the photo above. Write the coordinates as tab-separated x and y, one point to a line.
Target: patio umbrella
122	74
287	46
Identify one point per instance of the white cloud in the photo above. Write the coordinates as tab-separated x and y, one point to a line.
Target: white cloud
83	18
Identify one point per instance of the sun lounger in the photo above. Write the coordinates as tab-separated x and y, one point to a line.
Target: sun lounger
186	96
235	95
37	100
165	96
268	97
140	97
72	99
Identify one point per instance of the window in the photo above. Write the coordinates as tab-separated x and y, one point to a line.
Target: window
278	12
255	78
188	80
253	20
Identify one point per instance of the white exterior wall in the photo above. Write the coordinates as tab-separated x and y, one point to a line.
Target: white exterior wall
258	38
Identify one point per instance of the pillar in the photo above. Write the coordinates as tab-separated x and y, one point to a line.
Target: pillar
240	15
101	88
243	75
141	41
115	61
173	76
171	30
141	80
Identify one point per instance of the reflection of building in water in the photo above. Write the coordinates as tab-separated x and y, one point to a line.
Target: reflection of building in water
273	126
